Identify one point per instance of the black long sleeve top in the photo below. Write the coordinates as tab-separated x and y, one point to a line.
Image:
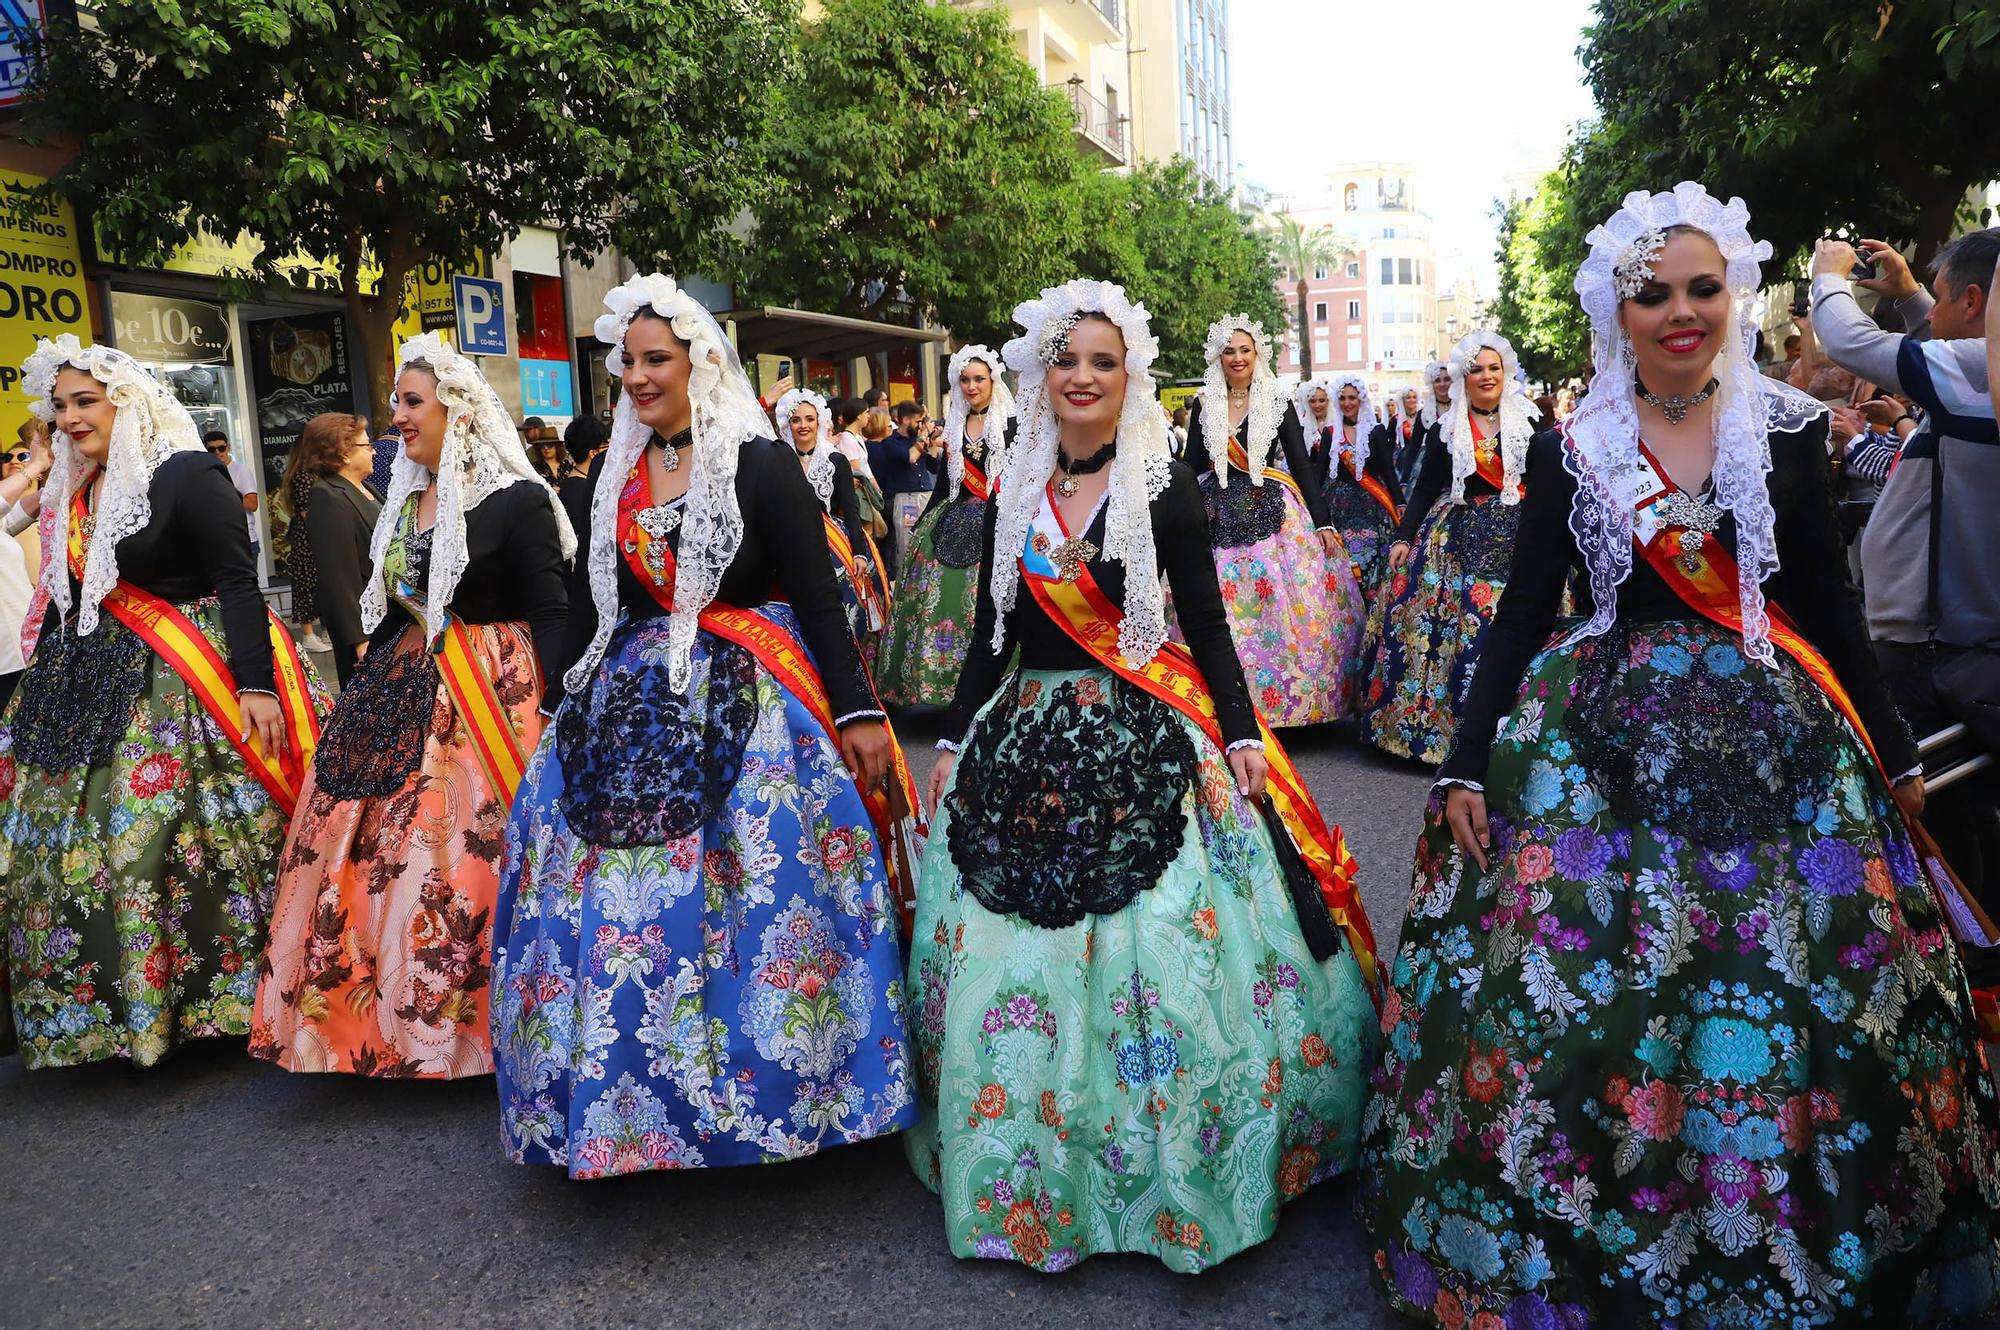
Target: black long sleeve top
1811	585
1381	464
782	557
1180	536
1291	439
976	450
1434	477
846	507
340	522
196	544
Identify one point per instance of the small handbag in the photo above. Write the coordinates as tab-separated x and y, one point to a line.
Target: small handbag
1316	926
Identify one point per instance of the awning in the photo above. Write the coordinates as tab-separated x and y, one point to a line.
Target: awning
768	330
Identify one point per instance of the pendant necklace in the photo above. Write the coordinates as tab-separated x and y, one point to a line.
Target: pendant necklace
1676	407
1068	485
670	451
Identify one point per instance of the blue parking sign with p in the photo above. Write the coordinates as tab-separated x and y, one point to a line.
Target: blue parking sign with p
482	316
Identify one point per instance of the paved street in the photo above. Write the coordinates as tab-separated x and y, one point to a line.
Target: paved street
217	1191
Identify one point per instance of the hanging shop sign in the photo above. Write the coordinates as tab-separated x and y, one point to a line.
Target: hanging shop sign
42	292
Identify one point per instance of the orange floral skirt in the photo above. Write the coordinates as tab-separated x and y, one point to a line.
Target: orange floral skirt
382	930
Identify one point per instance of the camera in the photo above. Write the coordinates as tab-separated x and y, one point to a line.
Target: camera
1863	270
1801	306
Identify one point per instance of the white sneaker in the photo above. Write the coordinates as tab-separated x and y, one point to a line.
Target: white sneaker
314	642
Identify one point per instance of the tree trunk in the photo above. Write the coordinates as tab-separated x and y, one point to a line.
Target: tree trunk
374	317
1305	333
1937	218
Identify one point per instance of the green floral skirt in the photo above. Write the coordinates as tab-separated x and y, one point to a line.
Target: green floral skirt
137	855
930	613
1696	1050
1164	1070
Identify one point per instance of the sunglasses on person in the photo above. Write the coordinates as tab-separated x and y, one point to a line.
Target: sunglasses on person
218	447
22	456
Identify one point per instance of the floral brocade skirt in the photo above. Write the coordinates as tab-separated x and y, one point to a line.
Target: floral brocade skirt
1424	627
382	930
696	959
137	853
1125	1044
1295	610
930	616
1366	529
1697	1050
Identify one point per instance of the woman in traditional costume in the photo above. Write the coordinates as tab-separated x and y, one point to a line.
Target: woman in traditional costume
1137	1030
1364	500
696	960
1287	585
930	622
1679	1036
382	933
157	742
1434	605
804	421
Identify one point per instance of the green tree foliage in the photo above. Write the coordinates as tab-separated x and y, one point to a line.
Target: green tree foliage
393	131
915	157
1178	246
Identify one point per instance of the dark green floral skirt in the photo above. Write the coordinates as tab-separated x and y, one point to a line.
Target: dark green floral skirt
1697	1050
137	854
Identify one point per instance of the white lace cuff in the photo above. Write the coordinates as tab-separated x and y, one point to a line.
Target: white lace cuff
1473	785
1257	744
951	746
1917	770
263	692
839	721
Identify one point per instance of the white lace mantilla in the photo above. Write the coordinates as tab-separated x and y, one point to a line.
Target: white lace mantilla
725	415
1601	440
150	427
957	411
819	462
1353	451
1427	405
1517	416
1139	473
1264	409
481	455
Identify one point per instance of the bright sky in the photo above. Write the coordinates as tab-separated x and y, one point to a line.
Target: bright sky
1468	91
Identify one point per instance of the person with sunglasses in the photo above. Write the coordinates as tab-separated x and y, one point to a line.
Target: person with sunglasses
21	471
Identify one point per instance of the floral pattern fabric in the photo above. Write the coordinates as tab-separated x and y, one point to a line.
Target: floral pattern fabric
382	931
1633	1075
135	889
1295	611
1160	1079
733	995
930	615
1425	625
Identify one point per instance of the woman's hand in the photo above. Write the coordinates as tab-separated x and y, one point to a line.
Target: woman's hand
360	650
1465	814
1910	797
1399	554
1250	769
263	721
1327	541
864	746
940	773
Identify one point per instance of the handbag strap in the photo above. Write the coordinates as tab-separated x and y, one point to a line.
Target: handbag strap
1932	612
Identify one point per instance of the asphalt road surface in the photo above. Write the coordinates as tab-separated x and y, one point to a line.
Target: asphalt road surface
218	1191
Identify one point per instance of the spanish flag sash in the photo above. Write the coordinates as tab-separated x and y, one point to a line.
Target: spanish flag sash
1240	459
1070	596
863	584
1373	488
501	755
976	482
201	667
1486	461
894	811
1703	573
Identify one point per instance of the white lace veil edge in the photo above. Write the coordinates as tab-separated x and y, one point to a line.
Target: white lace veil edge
819	464
1518	415
1364	420
725	415
1266	406
1601	439
1140	471
150	427
999	410
481	455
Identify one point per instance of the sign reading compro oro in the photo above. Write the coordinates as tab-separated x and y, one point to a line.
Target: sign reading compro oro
42	291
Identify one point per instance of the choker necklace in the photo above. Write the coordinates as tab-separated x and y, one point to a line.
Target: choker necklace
1068	486
1239	394
670	449
976	410
1676	407
1494	414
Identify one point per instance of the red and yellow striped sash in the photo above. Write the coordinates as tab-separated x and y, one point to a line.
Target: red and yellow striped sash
1241	461
501	755
863	583
201	667
1374	489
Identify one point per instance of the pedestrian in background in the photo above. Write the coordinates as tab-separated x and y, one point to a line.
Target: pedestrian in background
293	493
21	477
583	439
243	478
896	464
331	524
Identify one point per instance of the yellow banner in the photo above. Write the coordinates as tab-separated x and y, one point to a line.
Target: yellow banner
42	292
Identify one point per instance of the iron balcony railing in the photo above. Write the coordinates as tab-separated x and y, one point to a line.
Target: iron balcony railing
1094	119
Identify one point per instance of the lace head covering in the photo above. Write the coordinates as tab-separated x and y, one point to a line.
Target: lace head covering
999	410
1266	405
1427	404
1302	406
725	415
1356	453
1602	436
1139	471
481	455
819	462
1517	416
150	427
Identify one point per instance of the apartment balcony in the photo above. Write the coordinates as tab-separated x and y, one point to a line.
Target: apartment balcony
1100	130
1089	20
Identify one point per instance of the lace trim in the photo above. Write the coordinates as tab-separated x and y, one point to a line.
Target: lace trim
1260	421
819	462
151	426
482	455
870	714
1257	744
951	746
1140	472
1517	417
999	410
1354	453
